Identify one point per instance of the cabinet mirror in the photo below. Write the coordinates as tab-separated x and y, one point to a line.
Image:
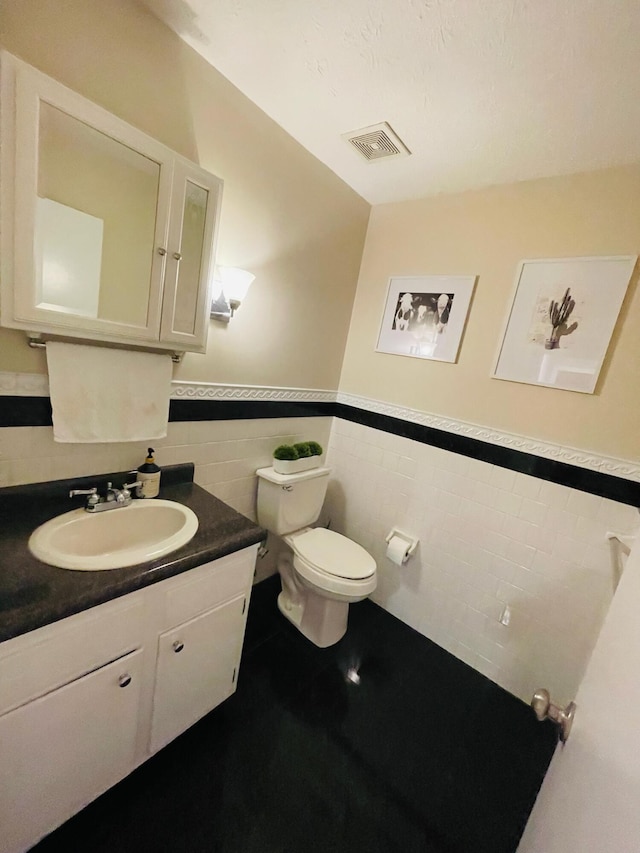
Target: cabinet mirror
95	222
107	235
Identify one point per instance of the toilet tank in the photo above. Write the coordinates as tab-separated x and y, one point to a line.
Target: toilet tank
288	502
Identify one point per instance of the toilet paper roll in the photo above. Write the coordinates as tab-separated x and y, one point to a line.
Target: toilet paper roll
397	550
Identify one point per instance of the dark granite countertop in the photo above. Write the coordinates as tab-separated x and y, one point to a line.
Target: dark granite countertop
33	594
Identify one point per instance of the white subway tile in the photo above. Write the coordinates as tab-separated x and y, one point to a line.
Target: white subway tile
583	504
496	543
483	493
533	511
569	549
553	494
619	516
521	553
479	470
508	502
503	478
526	486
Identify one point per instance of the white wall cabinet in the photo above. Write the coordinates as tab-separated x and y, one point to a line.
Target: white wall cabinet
141	273
86	700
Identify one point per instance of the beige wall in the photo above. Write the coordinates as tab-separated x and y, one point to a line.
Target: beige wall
285	216
486	233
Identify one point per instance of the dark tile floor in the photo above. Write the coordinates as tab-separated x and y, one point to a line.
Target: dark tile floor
424	755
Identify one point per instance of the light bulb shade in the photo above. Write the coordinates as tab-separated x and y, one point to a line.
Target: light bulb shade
234	282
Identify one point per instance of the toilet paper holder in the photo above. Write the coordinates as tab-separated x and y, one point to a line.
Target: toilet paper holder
411	541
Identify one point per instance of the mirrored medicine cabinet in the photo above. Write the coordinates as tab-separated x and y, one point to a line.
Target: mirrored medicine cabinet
106	234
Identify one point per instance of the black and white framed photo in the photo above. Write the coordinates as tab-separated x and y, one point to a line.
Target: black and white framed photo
424	316
561	320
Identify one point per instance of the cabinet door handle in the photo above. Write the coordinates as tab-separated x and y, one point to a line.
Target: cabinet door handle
162	251
178	646
177	256
124	680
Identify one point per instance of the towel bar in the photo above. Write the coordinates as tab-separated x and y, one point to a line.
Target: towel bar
37	343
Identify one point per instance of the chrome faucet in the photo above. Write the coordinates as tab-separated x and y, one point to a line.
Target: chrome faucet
113	499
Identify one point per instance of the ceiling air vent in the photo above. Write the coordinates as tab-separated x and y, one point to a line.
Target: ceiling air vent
377	142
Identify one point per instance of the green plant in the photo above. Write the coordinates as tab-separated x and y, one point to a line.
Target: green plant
285	451
303	449
315	448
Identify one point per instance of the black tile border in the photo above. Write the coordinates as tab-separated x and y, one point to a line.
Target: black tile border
604	485
231	410
36	411
25	411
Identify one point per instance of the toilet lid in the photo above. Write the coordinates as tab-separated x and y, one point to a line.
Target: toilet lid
334	554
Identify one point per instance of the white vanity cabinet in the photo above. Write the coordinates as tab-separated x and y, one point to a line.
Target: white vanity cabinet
60	751
190	681
203	611
107	235
85	700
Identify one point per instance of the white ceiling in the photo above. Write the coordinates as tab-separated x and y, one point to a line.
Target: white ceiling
481	91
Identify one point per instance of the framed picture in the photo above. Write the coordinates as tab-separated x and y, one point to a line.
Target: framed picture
424	316
561	321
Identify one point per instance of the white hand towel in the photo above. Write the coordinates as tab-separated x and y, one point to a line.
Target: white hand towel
108	395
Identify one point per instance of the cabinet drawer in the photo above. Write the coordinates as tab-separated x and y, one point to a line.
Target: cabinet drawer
209	585
35	664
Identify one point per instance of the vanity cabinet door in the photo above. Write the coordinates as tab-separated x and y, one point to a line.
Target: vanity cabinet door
197	669
59	752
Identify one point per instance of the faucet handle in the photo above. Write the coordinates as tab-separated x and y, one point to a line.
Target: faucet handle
93	498
126	488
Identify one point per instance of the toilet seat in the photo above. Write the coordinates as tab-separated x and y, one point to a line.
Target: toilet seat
333	554
332	564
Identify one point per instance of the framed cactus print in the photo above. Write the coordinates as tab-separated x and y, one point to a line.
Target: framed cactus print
561	320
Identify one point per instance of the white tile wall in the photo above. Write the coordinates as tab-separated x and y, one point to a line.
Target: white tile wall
226	455
489	537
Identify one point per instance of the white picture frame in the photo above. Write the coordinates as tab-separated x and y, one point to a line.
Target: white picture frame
584	297
424	316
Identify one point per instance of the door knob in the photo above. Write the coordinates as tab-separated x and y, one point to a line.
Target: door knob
545	710
178	646
124	680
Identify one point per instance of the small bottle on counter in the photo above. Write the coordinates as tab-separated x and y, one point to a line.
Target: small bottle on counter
149	476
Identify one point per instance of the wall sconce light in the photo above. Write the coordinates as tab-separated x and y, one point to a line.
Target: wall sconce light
231	285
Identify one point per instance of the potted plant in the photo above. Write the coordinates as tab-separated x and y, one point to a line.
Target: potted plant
293	458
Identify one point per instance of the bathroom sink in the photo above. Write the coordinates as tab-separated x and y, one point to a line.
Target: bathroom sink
142	531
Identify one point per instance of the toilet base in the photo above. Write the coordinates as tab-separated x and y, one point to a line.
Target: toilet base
322	621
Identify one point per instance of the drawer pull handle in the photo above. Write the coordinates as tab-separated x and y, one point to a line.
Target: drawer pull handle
162	251
124	680
177	256
178	646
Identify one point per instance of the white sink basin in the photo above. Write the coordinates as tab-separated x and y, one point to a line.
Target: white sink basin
142	531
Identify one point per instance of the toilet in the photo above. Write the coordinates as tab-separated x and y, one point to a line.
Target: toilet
324	571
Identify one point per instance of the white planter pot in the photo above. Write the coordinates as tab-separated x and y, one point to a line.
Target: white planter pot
294	466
